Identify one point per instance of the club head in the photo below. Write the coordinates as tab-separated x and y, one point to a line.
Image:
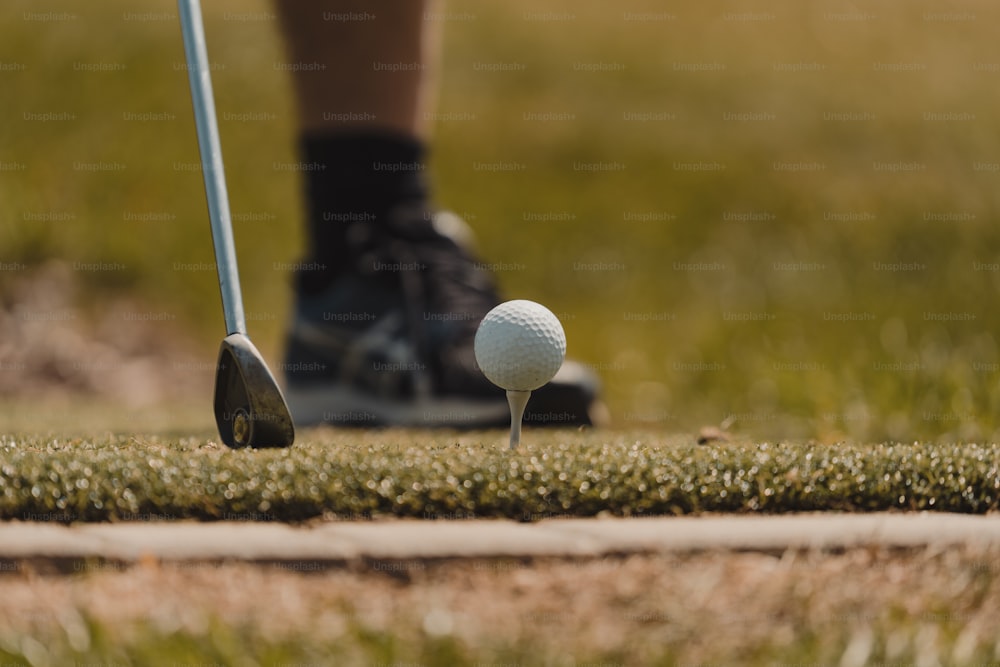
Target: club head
249	407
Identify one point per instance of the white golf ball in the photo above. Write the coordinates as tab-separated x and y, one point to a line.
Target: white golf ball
520	345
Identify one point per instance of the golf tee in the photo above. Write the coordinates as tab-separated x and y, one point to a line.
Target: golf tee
517	400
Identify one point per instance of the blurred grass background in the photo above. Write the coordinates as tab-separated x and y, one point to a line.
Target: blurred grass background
717	200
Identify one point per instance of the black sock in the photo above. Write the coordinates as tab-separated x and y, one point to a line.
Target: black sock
352	182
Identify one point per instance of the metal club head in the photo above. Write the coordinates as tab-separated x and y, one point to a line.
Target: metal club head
249	407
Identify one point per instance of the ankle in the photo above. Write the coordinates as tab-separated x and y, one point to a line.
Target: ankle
360	187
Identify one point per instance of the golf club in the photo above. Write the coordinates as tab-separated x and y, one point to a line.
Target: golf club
249	408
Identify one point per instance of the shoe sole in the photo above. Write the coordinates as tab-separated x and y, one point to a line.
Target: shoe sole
345	406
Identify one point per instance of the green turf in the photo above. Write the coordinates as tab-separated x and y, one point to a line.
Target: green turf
410	474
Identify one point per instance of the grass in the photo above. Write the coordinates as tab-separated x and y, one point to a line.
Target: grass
413	474
788	271
854	608
803	289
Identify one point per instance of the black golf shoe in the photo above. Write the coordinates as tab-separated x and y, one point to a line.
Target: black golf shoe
389	341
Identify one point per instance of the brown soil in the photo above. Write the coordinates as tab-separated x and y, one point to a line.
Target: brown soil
704	606
51	347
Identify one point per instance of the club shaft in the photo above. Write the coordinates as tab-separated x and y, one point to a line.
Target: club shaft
211	164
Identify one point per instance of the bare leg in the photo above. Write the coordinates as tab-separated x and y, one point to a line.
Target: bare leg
365	78
377	61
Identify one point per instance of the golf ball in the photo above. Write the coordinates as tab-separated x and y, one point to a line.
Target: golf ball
520	345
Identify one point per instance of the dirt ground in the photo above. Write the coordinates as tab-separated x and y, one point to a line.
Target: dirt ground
855	604
51	346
